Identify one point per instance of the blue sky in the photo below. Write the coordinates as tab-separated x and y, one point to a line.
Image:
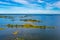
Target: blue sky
30	6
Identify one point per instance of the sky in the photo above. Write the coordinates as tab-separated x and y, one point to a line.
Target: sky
30	6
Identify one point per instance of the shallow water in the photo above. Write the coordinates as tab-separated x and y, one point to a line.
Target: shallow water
30	33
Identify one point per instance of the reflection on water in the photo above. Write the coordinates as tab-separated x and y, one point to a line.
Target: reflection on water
20	29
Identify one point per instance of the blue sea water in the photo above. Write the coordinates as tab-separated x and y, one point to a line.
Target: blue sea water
32	33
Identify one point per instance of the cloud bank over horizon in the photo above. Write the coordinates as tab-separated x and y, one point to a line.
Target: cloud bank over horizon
30	6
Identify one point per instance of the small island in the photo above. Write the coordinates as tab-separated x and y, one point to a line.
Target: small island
1	28
30	20
28	26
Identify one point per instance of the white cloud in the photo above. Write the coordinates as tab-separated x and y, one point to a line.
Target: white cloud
53	5
4	2
26	3
49	6
40	1
57	4
21	1
7	3
32	9
27	11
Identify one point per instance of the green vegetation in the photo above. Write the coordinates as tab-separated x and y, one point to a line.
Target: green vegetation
30	20
1	28
11	17
15	34
3	16
28	26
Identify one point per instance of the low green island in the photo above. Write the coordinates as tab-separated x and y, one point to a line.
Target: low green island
29	26
11	17
1	28
30	20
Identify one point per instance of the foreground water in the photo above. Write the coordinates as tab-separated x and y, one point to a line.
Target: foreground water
30	33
